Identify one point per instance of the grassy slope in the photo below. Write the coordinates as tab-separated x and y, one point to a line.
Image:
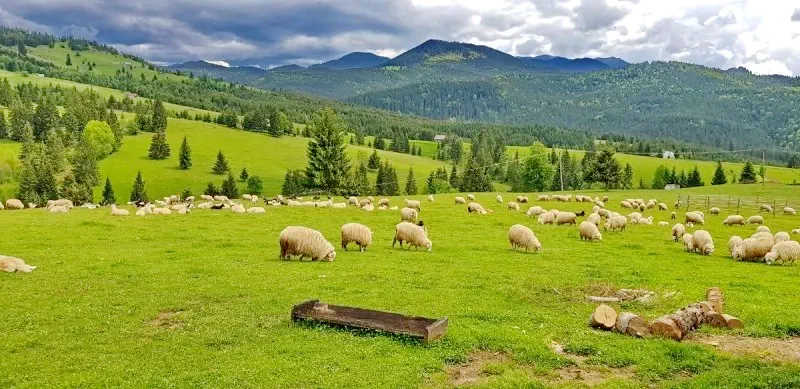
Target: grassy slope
645	167
263	155
84	317
107	63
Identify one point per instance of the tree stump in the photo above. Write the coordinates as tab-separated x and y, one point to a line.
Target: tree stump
716	299
603	317
732	322
666	327
632	324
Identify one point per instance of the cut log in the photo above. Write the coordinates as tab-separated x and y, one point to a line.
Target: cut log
603	299
603	317
665	327
632	324
732	322
716	299
716	320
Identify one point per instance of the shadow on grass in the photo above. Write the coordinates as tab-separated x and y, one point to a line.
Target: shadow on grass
360	332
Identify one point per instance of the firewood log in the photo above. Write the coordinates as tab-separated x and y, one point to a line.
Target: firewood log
603	317
632	324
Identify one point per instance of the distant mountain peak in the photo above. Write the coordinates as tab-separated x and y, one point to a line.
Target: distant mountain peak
354	60
438	52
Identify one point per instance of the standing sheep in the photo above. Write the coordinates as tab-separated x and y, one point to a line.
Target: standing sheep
534	211
594	218
688	242
694	218
305	242
14	204
766	207
733	242
543	198
616	223
702	242
734	220
430	198
11	264
782	236
408	215
789	211
460	200
499	199
783	253
677	231
565	218
412	234
752	249
512	206
383	202
364	202
755	219
714	211
413	204
471	197
476	208
590	232
59	209
358	234
352	200
523	237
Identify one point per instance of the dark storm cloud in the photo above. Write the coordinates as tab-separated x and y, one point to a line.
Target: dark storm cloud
596	14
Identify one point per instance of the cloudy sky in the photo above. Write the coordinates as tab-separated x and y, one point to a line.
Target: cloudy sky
762	35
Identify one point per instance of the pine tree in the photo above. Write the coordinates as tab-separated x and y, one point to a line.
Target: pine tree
627	177
293	183
108	194
255	185
45	118
379	186
695	179
138	192
748	175
69	60
361	181
3	125
159	118
390	184
374	160
328	164
606	169
244	174
380	143
229	188
719	175
537	172
211	190
185	155
85	166
411	183
221	165
55	151
454	182
116	128
641	183
159	148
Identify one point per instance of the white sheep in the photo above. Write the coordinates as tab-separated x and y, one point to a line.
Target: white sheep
663	207
626	204
763	229
61	202
783	253
753	249
512	206
734	220
755	219
766	207
595	219
368	208
412	234
221	198
364	202
702	242
247	197
789	211
471	197
520	236
688	242
543	198
589	231
238	208
796	231
547	218
191	199
352	200
634	217
11	264
14	204
358	234
565	218
460	200
677	231
714	210
413	204
339	205
476	208
646	220
430	198
616	223
663	224
534	211
409	215
184	211
782	236
207	197
694	218
604	213
256	210
305	242
161	211
733	242
59	209
118	211
499	199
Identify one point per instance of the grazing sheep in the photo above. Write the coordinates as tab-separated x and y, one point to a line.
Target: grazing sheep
702	242
523	200
247	197
118	211
616	223
476	208
523	237
714	211
59	209
755	219
677	231
663	224
604	213
534	211
431	199
752	249
413	204
625	204
594	218
499	199
796	231
734	220
412	234
688	242
409	215
256	210
368	208
782	236
650	205
635	216
764	235
789	211
161	211
547	218
783	253
543	198
460	200
512	206
694	218
565	218
358	234
471	197
364	202
646	221
383	202
763	229
766	207
62	202
14	204
662	207
11	264
352	200
733	242
605	199
305	242
590	232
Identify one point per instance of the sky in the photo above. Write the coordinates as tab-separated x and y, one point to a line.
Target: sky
761	35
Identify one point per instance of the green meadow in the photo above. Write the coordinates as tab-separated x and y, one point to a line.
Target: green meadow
203	301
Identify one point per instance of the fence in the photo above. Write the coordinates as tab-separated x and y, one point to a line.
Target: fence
745	204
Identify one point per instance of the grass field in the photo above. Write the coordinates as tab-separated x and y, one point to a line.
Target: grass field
204	301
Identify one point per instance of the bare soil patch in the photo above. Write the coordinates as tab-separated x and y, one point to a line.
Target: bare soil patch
778	350
167	320
472	372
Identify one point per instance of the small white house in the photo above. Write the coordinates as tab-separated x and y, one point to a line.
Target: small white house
672	186
668	154
440	138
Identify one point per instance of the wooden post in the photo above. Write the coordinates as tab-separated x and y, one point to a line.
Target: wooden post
708	202
738	203
729	201
774	207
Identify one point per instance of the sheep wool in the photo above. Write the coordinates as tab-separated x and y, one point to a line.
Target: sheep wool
590	232
460	200
412	234
702	242
471	197
565	218
256	210
14	204
766	207
616	223
547	218
476	208
733	242
499	199
59	209
368	208
339	205
663	207
796	231
789	211
413	204
118	211
734	220
161	211
663	224
364	202
358	234
238	208
688	243
512	206
520	236
783	253
184	211
409	215
11	264
755	219
752	249
594	218
677	231
714	211
534	211
782	236
543	198
431	199
694	217
305	242
763	229
352	200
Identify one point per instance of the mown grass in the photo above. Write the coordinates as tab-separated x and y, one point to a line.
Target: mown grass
85	316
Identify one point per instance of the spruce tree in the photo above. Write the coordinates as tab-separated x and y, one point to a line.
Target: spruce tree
211	189
374	160
748	175
138	192
69	60
255	185
719	175
108	194
328	165
379	187
221	165
361	181
244	174
159	148
411	183
3	125
293	183
116	128
185	156
275	123
454	182
606	169
390	183
45	118
229	188
627	177
159	118
695	179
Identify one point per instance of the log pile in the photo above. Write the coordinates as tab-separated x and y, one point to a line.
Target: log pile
675	326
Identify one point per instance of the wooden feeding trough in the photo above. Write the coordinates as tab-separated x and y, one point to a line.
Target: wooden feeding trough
418	327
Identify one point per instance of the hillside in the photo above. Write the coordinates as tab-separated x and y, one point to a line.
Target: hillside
355	60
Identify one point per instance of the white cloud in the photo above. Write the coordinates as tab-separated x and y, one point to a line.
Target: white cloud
769	67
218	63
